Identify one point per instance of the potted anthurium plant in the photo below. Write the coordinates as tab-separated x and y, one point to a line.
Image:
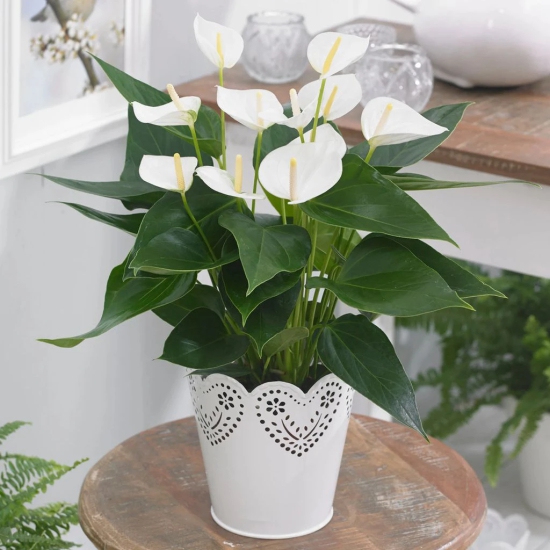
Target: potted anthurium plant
273	369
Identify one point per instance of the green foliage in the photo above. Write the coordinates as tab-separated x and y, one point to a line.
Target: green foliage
416	182
500	350
383	276
364	199
361	355
22	478
258	320
267	251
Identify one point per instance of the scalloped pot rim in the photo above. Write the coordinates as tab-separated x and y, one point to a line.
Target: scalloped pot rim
278	384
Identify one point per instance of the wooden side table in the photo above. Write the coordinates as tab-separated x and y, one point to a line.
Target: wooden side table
395	492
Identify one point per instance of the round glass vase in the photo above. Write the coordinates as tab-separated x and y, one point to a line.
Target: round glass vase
400	71
275	46
377	35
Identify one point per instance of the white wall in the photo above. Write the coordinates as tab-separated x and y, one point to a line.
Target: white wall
54	264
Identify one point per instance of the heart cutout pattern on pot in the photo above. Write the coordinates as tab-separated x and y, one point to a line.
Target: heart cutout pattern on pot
220	414
296	423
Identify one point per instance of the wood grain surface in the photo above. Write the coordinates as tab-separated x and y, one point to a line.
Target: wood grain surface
395	492
506	132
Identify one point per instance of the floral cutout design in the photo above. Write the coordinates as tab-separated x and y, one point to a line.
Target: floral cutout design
226	401
220	423
286	430
276	406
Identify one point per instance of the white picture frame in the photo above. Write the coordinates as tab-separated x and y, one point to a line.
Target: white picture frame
46	135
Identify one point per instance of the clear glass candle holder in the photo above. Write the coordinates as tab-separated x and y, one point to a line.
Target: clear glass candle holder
275	46
379	34
401	71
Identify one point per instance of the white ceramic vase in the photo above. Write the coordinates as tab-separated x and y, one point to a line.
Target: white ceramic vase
534	464
272	456
484	42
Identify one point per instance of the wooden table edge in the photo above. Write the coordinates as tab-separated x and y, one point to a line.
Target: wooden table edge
87	525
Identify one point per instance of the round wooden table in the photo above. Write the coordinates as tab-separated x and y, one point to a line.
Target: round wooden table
395	492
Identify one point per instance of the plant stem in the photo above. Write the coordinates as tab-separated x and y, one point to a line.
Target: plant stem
257	167
196	143
196	224
322	273
318	109
313	248
369	154
301	132
266	364
222	115
283	211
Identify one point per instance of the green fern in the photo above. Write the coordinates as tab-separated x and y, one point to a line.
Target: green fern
501	349
22	478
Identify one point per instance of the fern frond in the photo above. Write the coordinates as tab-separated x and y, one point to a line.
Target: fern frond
432	378
528	430
11	427
42	483
21	479
529	410
52	520
20	541
19	470
494	457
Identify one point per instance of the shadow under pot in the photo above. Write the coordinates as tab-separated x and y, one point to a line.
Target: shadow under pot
275	46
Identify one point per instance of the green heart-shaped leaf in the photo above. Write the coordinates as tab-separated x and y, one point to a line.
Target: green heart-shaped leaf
178	251
126	299
201	341
416	182
236	286
271	317
202	296
137	191
382	276
268	319
365	200
284	340
464	283
169	213
361	355
266	251
126	222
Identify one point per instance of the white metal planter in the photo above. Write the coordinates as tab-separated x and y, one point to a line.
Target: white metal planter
272	456
535	474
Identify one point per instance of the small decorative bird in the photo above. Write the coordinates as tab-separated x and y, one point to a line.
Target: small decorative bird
83	8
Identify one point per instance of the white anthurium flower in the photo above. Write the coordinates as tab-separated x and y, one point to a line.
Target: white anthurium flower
221	45
255	109
341	95
326	133
299	172
299	119
170	173
181	111
386	121
221	181
330	52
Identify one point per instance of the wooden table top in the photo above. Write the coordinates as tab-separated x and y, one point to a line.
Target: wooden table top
506	132
395	492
